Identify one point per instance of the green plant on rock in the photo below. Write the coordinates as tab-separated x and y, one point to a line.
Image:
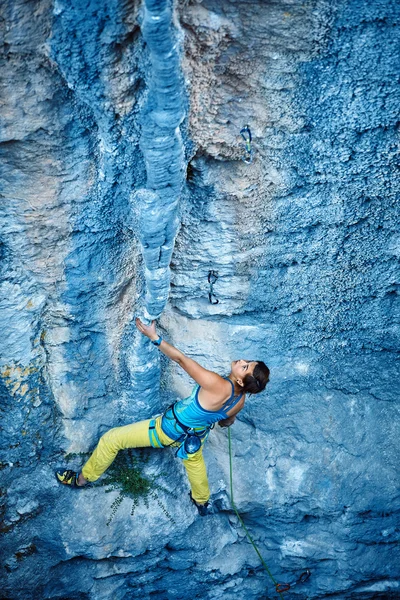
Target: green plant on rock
126	475
73	455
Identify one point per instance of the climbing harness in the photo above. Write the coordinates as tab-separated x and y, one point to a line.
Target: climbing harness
245	132
191	438
188	424
212	278
154	439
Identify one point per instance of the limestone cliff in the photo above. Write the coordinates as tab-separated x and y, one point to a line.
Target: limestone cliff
122	186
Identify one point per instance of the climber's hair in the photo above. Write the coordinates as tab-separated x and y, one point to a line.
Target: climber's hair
255	383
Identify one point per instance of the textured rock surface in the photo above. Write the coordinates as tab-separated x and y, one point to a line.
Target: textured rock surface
156	206
305	242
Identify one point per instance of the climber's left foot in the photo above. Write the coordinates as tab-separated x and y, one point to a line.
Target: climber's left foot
71	478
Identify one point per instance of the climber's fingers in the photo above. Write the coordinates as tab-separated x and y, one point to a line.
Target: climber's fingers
148	330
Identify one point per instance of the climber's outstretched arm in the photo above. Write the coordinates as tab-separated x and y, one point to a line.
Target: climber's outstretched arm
208	380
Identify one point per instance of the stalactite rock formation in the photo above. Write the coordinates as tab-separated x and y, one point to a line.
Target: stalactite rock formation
123	185
157	205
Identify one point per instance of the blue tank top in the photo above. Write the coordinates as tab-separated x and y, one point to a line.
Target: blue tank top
191	414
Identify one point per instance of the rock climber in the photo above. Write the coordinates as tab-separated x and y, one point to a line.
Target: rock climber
184	425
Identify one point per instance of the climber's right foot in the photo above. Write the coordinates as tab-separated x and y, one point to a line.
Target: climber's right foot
202	508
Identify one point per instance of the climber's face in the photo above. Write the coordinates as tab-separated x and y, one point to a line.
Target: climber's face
241	368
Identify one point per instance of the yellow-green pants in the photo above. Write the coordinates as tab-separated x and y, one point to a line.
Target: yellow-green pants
136	435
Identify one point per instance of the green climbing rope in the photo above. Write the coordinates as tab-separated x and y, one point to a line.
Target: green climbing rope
276	584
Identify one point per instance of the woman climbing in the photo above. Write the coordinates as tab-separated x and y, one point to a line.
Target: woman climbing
184	425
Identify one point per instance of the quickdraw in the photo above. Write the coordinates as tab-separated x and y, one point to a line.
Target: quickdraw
285	587
212	278
245	132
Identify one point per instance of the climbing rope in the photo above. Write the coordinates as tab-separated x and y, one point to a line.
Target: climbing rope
212	278
245	132
276	584
279	587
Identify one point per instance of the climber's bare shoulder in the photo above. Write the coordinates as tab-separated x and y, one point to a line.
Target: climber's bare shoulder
214	389
213	402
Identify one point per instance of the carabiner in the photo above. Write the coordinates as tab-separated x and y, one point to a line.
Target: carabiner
211	296
282	587
304	576
212	278
245	132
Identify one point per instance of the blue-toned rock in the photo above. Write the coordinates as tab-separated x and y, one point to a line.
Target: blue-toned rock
124	184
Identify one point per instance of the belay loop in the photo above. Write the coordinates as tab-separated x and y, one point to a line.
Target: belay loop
212	278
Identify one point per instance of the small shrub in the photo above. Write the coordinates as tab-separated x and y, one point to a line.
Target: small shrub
74	455
126	475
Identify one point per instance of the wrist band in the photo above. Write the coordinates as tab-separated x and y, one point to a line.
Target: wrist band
157	342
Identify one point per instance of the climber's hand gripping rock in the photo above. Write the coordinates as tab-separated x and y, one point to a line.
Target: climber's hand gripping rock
147	330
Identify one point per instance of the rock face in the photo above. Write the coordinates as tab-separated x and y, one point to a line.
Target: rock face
106	108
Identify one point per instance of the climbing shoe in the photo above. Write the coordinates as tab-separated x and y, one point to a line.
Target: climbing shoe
202	508
68	477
